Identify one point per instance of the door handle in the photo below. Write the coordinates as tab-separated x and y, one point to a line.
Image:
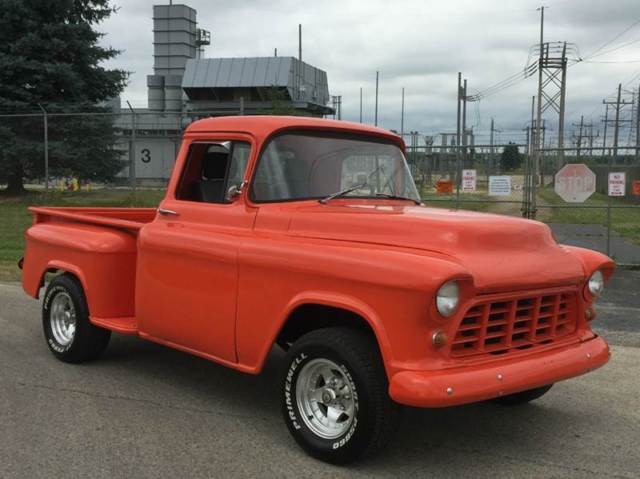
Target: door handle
165	212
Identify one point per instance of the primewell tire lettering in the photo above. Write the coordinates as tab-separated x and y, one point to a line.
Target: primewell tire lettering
288	387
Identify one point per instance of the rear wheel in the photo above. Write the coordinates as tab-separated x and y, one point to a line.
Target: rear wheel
522	397
65	321
334	395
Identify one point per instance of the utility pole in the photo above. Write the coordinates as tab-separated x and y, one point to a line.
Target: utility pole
528	166
375	122
579	140
360	104
46	150
592	137
536	143
616	126
458	142
300	42
402	115
491	159
542	152
464	119
618	104
563	95
606	121
638	125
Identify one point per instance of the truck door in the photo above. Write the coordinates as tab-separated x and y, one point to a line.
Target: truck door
187	273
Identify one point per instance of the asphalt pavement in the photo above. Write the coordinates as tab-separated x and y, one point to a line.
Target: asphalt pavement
147	411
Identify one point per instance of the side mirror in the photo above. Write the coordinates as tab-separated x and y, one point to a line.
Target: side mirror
233	192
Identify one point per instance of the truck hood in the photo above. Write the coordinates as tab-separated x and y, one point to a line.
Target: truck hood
500	252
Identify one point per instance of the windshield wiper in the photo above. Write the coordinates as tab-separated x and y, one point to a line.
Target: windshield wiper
343	192
346	191
398	197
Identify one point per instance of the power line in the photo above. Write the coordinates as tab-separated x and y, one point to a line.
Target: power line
606	52
606	44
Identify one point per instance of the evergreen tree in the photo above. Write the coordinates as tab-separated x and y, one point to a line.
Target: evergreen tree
50	58
511	157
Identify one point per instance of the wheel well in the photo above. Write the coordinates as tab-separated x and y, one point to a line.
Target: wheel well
51	273
309	317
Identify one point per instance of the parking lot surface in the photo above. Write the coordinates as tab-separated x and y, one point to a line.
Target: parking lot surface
147	411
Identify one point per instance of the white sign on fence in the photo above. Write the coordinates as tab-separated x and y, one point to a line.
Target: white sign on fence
468	181
617	184
499	185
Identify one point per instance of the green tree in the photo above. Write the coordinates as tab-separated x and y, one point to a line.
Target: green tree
50	57
280	102
511	157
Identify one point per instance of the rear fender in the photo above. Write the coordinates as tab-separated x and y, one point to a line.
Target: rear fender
103	260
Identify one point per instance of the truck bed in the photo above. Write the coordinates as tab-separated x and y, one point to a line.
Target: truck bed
125	218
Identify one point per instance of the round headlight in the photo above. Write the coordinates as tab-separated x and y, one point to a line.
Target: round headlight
596	283
447	298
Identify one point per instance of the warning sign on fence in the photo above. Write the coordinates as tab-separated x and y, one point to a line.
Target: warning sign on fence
575	182
468	181
636	187
617	184
499	185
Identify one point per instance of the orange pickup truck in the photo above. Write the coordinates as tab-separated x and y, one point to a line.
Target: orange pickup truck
309	234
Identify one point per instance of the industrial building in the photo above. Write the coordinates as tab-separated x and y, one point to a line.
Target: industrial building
186	86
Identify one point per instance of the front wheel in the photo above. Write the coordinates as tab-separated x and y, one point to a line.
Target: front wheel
522	397
334	395
65	321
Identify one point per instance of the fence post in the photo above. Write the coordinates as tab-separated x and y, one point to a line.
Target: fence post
132	149
608	205
46	150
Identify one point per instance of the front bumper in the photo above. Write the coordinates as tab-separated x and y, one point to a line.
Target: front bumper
450	387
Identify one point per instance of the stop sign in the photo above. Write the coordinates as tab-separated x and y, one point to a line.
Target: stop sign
575	183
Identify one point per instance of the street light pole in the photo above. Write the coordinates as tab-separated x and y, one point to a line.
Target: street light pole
46	150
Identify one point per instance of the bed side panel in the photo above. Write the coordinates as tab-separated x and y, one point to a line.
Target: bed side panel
103	259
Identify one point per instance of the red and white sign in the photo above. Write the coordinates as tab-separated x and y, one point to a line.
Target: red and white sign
575	182
468	181
617	184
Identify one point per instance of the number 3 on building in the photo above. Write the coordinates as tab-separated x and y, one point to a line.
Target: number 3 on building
146	155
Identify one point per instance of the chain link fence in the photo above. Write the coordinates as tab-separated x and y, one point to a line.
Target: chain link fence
594	205
67	152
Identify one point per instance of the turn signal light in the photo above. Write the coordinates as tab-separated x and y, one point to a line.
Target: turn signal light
439	338
589	314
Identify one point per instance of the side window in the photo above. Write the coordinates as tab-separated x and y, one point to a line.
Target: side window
211	169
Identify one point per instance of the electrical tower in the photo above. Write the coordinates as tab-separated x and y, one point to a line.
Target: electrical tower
552	65
583	137
618	104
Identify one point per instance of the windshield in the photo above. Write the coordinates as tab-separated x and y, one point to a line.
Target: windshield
296	166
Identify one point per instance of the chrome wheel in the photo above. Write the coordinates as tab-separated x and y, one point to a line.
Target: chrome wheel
325	398
63	319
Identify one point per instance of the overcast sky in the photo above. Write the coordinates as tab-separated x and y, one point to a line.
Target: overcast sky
419	45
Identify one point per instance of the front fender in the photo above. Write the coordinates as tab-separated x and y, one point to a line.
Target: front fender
592	261
391	288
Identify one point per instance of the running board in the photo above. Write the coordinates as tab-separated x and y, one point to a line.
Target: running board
118	325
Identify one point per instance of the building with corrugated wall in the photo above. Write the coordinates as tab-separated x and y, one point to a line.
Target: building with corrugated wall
185	86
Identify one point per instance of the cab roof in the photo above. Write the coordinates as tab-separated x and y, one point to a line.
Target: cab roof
263	126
